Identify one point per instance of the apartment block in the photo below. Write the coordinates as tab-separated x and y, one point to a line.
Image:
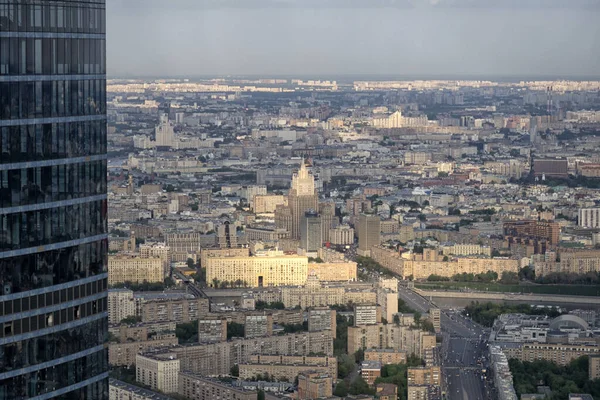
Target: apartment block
123	354
120	305
370	371
386	356
369	233
160	250
314	385
424	376
388	301
196	387
258	325
561	354
343	271
594	367
159	371
212	329
134	269
322	319
185	308
267	268
268	203
389	259
390	336
366	314
119	390
218	358
286	367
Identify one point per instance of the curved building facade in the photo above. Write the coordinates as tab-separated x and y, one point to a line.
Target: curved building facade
53	204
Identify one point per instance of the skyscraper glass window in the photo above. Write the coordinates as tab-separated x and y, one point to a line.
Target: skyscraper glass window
53	205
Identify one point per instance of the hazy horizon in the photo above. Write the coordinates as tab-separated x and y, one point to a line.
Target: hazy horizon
421	39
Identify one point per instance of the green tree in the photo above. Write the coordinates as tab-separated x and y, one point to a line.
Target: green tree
341	389
131	320
360	386
235	370
234	330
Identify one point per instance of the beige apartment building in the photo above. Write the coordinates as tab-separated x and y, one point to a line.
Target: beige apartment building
386	356
388	301
594	367
469	265
159	371
218	358
389	259
334	271
196	387
267	203
315	294
258	325
287	368
390	336
268	268
314	385
212	329
575	262
134	269
322	319
119	390
160	250
431	376
226	252
120	305
177	310
123	354
561	354
467	250
417	392
140	332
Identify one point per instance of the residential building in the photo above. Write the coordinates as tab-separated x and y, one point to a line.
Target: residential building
386	391
124	353
322	319
314	385
119	390
120	305
366	314
370	370
212	329
336	270
159	371
267	268
134	269
160	250
286	368
431	376
227	236
218	358
268	203
258	325
196	387
386	356
594	367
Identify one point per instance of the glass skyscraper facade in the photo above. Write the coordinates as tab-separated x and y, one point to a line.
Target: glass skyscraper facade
53	204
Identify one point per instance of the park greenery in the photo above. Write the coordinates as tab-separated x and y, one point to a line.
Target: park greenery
397	375
562	380
263	305
372	265
145	286
187	332
486	313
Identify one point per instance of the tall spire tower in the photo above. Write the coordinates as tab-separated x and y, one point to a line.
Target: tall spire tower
303	197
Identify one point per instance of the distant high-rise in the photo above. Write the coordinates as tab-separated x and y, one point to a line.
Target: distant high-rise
310	233
369	230
53	204
302	197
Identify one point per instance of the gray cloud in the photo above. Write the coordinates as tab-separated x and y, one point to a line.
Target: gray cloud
346	37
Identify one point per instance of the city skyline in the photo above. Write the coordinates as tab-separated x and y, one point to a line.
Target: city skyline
418	38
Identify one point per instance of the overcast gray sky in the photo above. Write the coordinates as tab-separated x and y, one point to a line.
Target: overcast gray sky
419	38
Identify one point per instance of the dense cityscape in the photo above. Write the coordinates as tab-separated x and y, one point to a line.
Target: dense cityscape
292	236
358	219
